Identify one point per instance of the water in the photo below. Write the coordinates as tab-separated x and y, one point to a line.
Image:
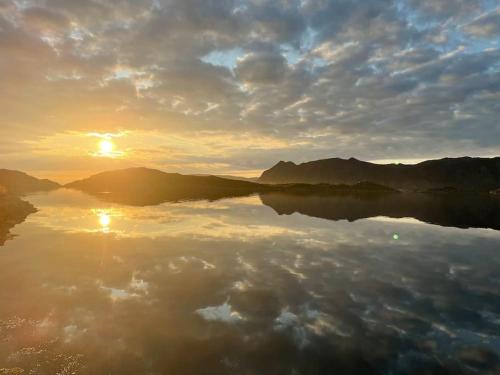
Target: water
232	287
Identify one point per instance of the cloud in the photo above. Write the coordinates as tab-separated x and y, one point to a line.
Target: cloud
375	80
486	25
44	20
446	8
261	68
223	313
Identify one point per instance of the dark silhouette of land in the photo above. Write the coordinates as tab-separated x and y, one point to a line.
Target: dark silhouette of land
466	210
13	211
351	200
471	174
143	186
19	183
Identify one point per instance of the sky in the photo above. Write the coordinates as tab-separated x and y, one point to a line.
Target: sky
234	86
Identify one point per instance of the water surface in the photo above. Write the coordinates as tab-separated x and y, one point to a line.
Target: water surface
249	285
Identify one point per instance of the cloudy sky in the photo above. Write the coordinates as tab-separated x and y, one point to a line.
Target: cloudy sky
233	86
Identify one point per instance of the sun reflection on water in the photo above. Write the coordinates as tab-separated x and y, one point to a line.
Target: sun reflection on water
104	218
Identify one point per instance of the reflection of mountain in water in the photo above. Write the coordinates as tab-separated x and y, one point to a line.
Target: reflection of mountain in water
154	198
12	211
454	210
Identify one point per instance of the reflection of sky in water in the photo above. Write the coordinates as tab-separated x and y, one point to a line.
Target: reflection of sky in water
229	287
202	219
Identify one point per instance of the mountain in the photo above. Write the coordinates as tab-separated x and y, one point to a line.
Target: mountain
143	186
19	183
12	211
466	210
482	174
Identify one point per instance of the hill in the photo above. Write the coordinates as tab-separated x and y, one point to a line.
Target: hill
19	183
144	186
474	174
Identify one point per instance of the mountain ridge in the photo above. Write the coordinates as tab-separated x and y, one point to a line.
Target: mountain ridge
466	173
145	186
19	183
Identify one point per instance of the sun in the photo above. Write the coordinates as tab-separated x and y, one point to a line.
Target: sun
106	147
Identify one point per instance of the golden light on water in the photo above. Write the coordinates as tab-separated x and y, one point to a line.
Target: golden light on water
104	220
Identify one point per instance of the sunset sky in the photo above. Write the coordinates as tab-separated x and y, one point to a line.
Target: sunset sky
233	86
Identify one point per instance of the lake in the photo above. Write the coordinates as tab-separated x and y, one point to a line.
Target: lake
270	284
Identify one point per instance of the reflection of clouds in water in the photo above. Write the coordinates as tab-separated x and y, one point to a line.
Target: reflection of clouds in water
139	284
403	220
173	268
72	332
222	313
118	294
289	320
245	264
294	272
242	285
192	219
301	285
136	288
225	219
306	324
178	264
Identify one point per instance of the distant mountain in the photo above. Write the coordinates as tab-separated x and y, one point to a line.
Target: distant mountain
465	173
143	186
12	211
19	183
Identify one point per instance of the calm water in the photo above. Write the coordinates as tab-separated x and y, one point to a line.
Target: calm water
231	287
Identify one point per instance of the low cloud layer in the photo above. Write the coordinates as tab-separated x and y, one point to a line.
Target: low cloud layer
232	86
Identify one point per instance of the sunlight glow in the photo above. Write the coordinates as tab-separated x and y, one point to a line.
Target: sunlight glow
106	147
104	220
